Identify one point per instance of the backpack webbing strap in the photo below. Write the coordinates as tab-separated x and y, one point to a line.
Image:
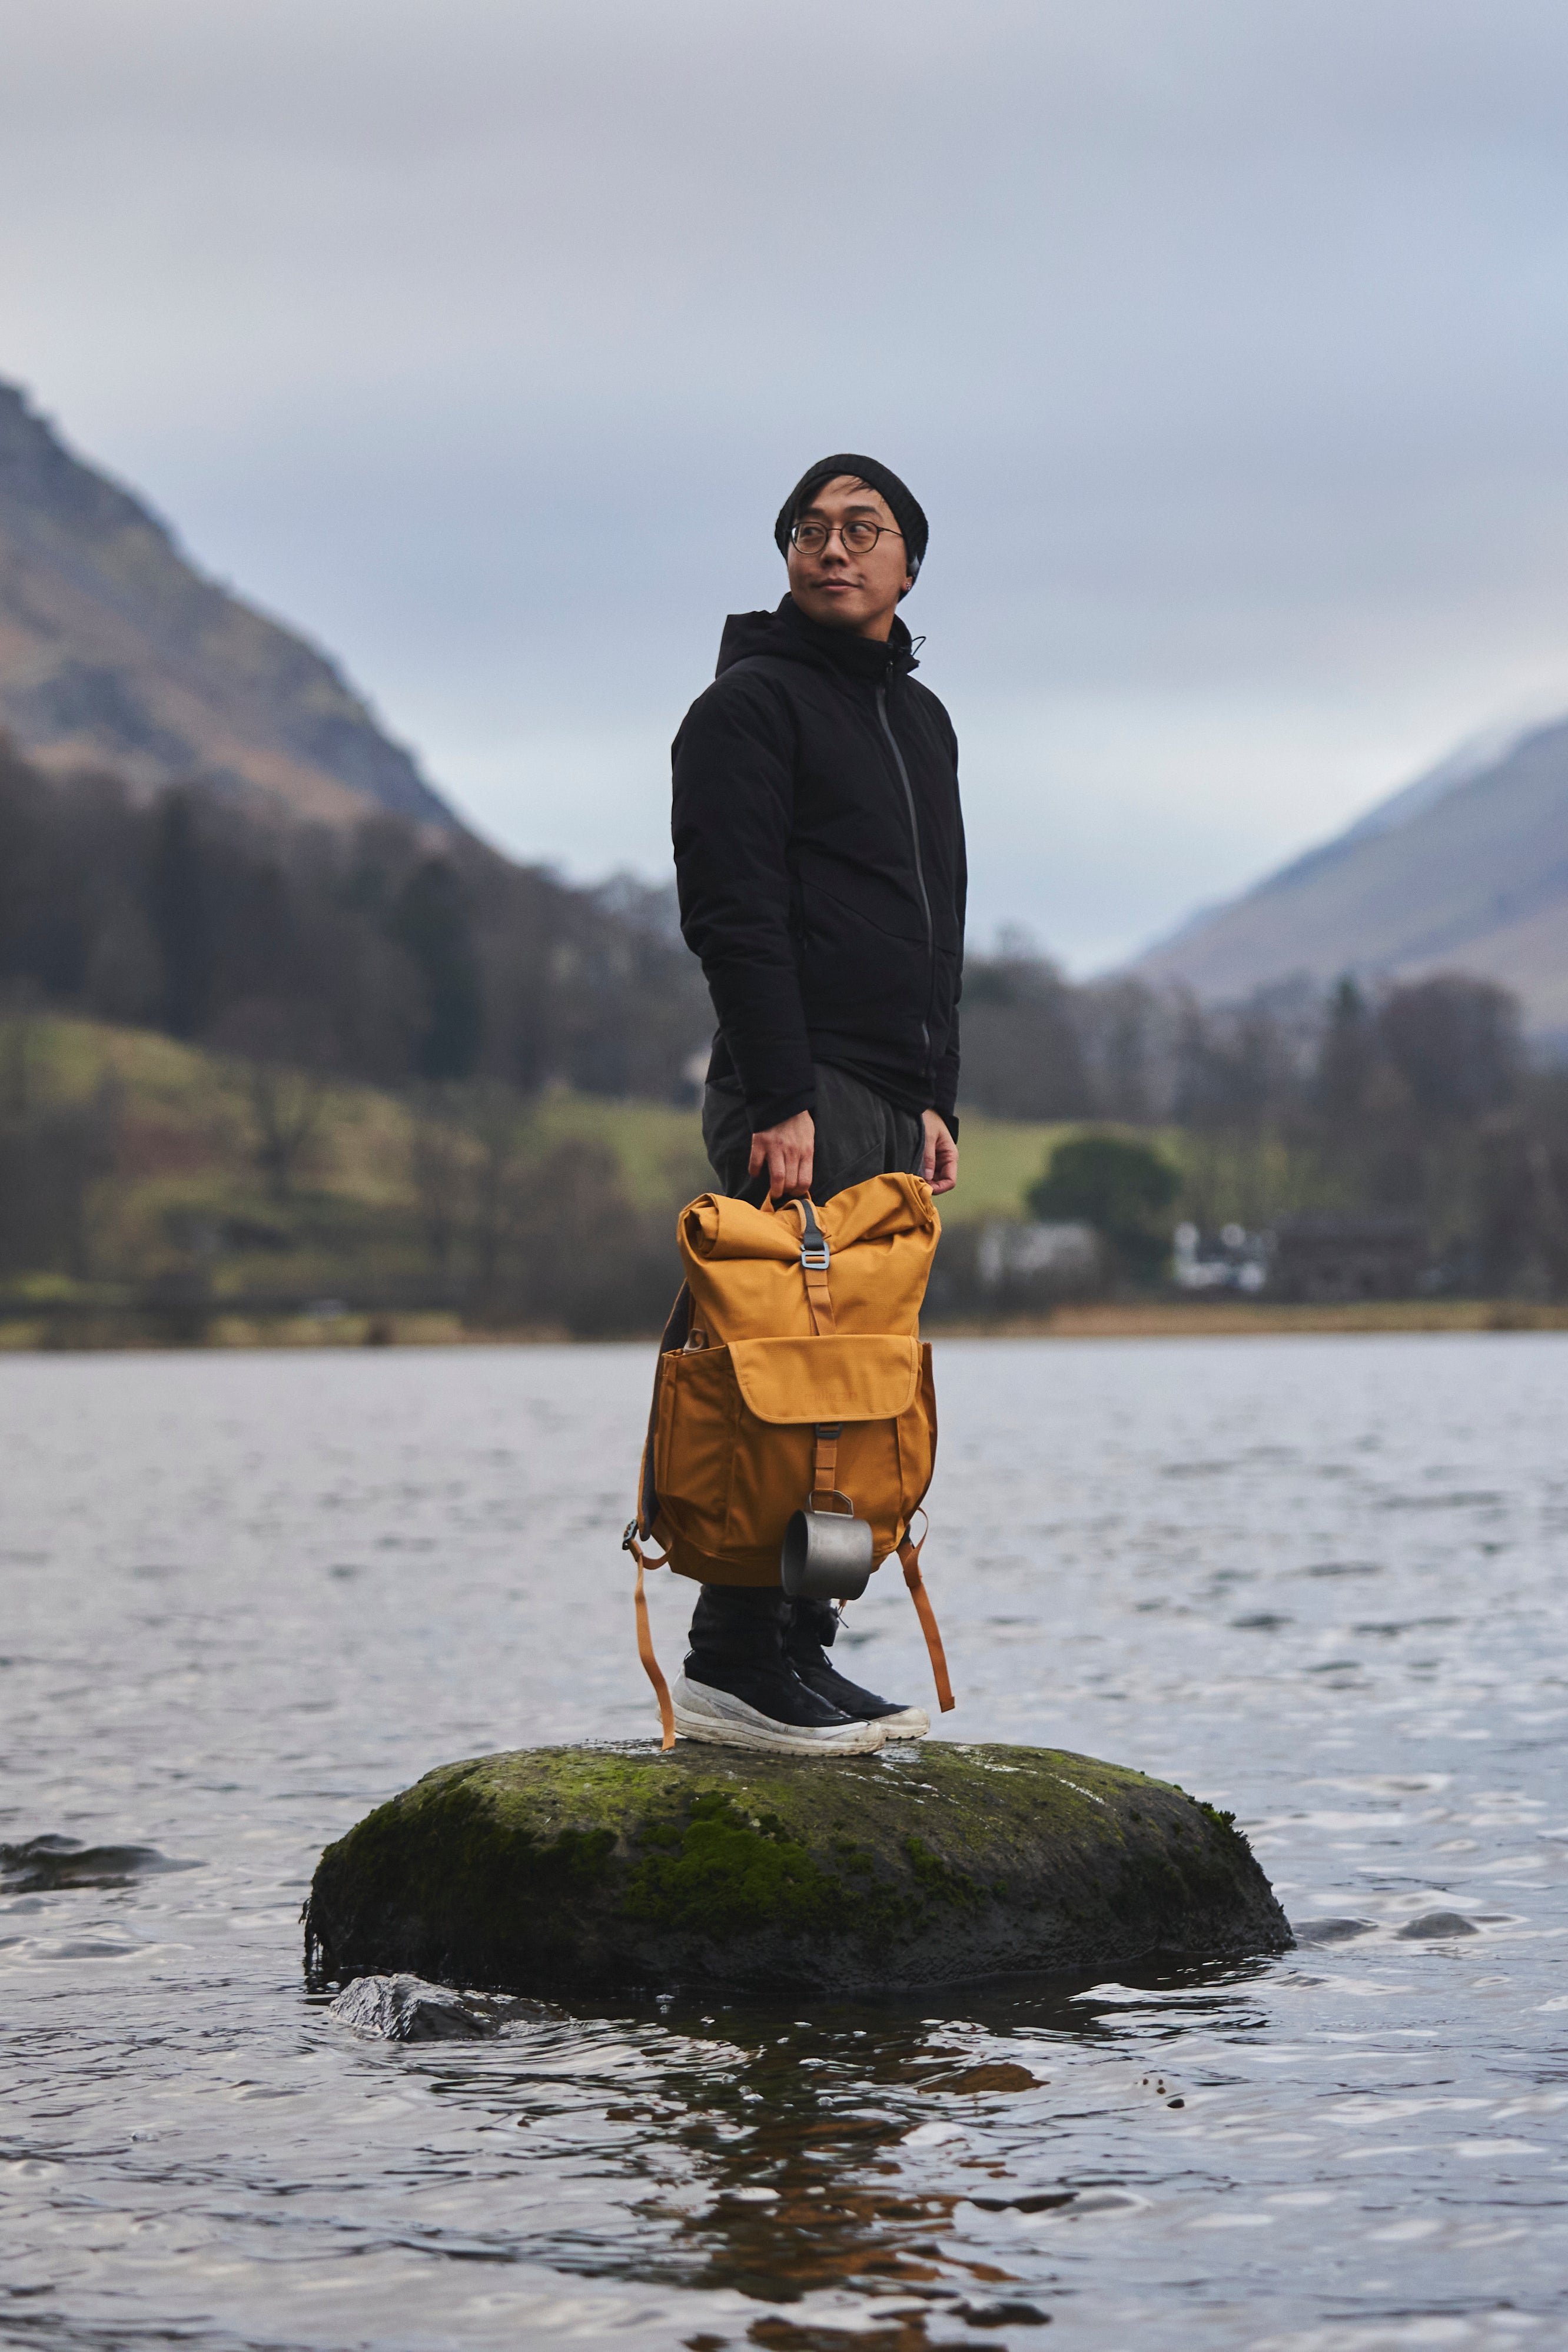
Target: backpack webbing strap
815	1255
909	1553
645	1635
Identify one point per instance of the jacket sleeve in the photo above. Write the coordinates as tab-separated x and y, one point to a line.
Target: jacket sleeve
732	816
947	1067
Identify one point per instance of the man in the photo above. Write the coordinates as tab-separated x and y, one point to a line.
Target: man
820	852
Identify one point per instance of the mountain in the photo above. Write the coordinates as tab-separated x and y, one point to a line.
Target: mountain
116	652
1465	869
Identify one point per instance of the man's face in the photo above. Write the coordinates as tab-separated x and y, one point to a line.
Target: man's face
838	586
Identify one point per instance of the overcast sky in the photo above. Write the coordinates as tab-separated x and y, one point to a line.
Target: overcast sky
1223	340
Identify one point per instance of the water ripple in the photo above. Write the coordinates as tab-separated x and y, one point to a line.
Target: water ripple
275	1589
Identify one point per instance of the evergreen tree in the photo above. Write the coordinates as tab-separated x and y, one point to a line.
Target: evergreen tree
177	916
1347	1058
431	921
1118	1187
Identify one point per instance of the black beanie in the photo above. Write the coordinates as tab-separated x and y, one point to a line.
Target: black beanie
906	510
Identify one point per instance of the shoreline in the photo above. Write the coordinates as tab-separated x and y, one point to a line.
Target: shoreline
1153	1319
1163	1318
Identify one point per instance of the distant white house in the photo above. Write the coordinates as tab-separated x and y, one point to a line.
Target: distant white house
1048	1260
1232	1259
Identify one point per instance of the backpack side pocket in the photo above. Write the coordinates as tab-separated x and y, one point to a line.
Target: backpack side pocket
694	1444
917	1443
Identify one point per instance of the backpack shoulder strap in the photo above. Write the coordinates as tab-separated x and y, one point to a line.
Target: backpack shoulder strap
910	1554
674	1338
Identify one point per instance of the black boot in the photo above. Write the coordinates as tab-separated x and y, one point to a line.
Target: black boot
739	1690
809	1637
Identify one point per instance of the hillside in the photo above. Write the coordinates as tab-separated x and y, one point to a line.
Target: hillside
136	1168
1466	869
183	1116
117	652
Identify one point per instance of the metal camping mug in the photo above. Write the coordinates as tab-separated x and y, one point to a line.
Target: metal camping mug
827	1556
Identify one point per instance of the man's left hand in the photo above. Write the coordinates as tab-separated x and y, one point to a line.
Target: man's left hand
941	1168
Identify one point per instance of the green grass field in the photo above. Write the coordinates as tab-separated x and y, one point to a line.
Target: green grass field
187	1166
186	1148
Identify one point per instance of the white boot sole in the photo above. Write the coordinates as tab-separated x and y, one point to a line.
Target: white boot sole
703	1713
909	1723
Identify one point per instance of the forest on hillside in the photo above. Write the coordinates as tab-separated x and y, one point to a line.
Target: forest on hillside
304	957
369	951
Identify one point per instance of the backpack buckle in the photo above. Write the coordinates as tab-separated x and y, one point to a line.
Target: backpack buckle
814	1253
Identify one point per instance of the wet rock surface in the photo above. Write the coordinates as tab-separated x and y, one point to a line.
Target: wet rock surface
1433	1923
406	2009
45	1865
615	1866
1331	1931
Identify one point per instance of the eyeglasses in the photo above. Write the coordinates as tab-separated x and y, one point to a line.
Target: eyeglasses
856	537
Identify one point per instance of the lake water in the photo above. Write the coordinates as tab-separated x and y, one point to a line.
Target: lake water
1316	1581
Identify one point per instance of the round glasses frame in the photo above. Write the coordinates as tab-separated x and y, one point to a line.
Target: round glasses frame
857	537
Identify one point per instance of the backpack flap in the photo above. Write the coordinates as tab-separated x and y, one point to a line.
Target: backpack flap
852	1377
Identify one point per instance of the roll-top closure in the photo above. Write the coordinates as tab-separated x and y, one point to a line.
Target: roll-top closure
855	1267
715	1228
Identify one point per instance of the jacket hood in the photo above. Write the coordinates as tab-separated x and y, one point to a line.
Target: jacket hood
788	635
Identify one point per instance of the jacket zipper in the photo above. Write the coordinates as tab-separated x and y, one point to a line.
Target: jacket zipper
920	869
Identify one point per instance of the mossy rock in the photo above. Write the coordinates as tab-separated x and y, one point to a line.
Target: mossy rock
614	1866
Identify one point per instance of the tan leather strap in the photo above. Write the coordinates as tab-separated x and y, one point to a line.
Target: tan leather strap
645	1638
909	1553
826	1469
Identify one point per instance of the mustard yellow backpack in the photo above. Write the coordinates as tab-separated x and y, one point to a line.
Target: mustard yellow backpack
794	1415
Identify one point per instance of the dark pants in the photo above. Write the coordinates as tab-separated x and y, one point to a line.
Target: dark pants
858	1134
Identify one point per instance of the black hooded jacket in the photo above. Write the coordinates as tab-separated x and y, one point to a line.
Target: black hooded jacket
820	853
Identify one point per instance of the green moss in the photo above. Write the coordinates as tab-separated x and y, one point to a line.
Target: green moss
729	1873
571	1867
463	1825
936	1880
856	1859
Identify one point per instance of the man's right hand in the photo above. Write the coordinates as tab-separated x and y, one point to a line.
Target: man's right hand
787	1152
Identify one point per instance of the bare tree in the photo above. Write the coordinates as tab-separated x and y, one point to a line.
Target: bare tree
500	1127
441	1168
18	1025
280	1058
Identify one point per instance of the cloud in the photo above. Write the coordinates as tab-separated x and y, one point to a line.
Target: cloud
1225	347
